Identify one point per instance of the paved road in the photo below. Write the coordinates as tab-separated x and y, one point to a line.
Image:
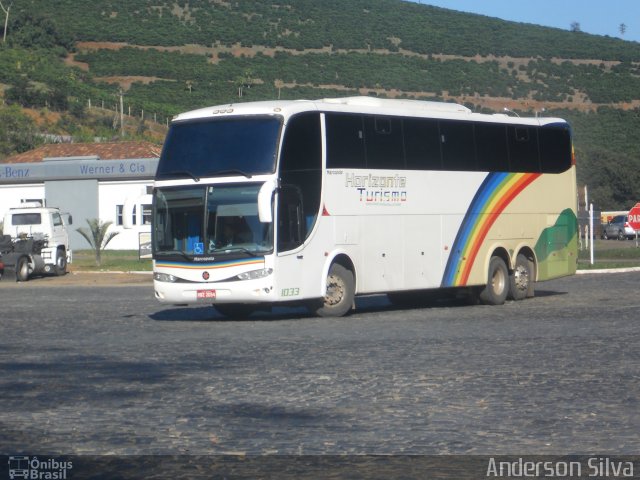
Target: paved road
107	370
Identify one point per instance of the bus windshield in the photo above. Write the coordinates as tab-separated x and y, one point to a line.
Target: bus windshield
210	219
231	146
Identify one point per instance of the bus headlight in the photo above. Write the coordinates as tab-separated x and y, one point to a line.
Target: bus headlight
255	274
165	277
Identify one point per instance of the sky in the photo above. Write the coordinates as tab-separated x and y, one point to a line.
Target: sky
599	17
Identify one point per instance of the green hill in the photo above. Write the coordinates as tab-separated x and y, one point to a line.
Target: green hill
167	57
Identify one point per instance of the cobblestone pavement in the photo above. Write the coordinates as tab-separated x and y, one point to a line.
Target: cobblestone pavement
83	278
107	370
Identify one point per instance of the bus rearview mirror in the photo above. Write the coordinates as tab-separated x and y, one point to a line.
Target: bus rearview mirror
265	211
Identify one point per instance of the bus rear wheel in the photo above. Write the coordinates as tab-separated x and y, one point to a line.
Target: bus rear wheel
497	288
521	279
340	292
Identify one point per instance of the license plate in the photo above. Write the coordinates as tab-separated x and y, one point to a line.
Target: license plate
206	294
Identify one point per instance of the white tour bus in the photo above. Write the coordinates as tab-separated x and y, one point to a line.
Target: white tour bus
315	202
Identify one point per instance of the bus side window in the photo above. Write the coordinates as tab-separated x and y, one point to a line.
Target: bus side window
523	148
458	145
491	144
383	140
345	141
291	223
555	149
422	144
301	162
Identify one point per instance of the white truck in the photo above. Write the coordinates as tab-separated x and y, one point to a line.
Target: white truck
35	241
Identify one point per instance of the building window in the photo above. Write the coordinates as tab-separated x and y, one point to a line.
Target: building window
146	214
119	214
32	201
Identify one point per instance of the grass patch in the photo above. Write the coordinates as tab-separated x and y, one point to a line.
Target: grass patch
605	264
112	260
621	253
608	255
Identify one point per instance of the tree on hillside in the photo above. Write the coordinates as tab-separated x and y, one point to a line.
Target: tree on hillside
575	27
36	94
612	178
33	30
18	132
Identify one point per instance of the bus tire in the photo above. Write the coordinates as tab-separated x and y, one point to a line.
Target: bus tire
236	311
521	279
497	288
338	299
22	269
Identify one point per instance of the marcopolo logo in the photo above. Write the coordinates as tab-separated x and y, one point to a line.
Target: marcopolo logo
41	469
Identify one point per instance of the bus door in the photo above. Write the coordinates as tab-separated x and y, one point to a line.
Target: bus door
298	206
291	233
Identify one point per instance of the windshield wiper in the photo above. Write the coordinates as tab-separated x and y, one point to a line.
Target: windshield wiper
183	173
174	252
231	171
234	249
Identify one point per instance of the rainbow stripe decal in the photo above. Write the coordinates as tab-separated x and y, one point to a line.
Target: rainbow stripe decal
494	195
211	266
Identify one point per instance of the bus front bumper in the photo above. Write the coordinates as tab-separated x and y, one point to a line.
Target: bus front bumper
249	291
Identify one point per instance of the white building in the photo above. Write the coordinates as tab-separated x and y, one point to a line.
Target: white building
108	181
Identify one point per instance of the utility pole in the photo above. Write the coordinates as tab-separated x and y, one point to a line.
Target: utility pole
121	114
623	29
6	20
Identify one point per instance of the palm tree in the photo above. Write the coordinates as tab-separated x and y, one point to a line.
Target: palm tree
244	81
97	236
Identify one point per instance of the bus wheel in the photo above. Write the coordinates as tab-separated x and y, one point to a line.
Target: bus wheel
237	311
338	298
521	279
495	293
